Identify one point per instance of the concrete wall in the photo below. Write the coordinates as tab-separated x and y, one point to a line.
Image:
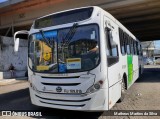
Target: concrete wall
8	56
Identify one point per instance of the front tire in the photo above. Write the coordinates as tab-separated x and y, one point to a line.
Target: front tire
123	91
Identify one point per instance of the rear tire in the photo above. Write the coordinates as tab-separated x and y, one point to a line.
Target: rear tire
123	91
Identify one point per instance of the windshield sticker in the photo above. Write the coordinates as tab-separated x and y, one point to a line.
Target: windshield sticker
47	34
62	68
93	35
42	68
74	63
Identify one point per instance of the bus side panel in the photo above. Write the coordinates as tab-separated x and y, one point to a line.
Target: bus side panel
135	68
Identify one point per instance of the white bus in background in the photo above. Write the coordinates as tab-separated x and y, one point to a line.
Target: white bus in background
81	59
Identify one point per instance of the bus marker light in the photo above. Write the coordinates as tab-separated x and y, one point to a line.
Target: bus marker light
97	86
101	82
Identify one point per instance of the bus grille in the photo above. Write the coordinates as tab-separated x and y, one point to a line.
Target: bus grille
49	99
63	104
61	84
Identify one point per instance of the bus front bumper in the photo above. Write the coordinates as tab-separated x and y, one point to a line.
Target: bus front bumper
97	101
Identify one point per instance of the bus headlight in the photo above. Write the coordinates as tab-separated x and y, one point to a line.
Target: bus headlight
95	87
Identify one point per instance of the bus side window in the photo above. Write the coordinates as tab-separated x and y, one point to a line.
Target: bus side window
122	41
112	48
128	44
132	48
137	48
141	50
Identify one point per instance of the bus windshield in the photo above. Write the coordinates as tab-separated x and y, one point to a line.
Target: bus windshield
64	52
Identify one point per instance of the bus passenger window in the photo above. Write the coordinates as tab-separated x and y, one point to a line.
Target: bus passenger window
137	48
128	45
141	53
132	48
122	41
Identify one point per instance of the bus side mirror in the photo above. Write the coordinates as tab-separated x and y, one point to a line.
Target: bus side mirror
16	40
16	44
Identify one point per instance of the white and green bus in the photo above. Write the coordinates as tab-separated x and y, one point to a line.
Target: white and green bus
81	59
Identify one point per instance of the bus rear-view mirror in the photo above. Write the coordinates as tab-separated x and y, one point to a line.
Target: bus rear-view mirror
16	44
17	40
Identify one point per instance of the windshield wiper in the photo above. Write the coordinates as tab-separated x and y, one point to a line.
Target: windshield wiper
45	39
70	34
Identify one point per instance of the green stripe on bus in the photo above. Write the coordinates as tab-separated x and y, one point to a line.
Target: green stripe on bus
130	68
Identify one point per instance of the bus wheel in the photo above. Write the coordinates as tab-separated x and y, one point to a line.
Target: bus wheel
123	91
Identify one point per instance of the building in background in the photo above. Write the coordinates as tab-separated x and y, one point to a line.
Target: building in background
148	48
157	52
151	52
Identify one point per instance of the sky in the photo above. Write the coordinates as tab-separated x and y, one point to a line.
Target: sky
2	1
